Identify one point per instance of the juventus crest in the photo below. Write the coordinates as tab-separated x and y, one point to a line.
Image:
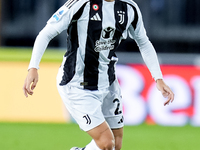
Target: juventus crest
121	16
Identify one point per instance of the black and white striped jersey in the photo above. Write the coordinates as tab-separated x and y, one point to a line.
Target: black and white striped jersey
95	29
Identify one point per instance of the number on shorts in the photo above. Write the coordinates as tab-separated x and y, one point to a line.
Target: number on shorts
117	111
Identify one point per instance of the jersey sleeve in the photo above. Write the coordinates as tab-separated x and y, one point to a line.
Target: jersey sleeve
60	19
40	45
55	25
138	33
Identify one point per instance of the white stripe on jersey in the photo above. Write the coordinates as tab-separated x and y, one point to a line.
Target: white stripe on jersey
108	21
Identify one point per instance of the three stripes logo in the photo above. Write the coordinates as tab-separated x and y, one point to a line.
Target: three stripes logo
70	3
88	120
96	17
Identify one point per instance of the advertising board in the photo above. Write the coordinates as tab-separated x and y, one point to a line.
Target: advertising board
142	102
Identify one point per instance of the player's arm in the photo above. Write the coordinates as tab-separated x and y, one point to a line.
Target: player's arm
151	60
150	57
40	45
55	25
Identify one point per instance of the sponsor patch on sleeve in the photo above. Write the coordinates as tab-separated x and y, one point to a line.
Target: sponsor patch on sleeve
58	14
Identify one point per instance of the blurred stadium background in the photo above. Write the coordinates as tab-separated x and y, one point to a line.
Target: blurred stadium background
173	27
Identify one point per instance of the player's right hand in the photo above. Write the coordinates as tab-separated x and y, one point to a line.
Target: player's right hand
30	82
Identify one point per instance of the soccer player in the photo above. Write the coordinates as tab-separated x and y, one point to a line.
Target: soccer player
86	79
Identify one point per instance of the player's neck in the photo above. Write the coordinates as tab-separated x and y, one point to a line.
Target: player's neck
109	0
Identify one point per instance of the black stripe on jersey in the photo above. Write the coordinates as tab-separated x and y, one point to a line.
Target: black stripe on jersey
121	17
70	3
135	21
111	72
91	57
70	63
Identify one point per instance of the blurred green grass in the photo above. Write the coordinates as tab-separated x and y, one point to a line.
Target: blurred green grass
43	136
24	55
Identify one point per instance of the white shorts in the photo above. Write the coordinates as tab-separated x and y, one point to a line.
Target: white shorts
92	108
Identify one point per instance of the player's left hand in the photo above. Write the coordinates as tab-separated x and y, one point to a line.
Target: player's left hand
165	90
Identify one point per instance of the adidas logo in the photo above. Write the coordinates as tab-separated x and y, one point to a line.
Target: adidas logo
96	17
